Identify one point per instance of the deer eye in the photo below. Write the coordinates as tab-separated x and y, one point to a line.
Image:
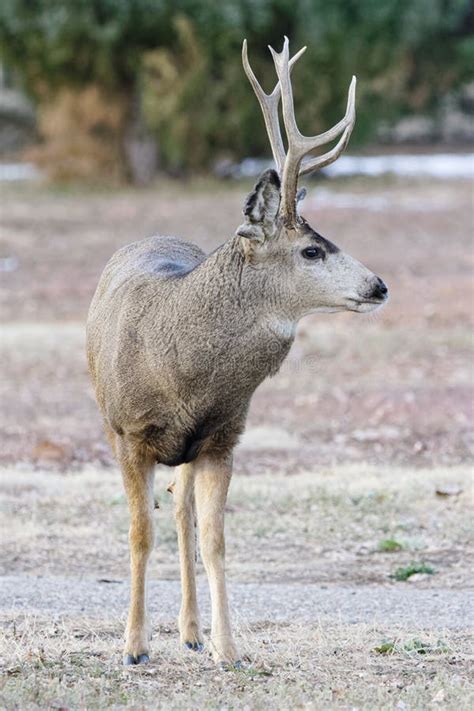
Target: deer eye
312	253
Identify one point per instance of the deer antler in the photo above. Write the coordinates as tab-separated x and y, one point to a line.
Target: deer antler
269	105
291	165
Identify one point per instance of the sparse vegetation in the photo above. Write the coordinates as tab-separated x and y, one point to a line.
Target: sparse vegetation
412	646
389	545
75	663
407	571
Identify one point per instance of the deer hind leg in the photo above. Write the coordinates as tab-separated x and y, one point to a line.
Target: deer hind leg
212	479
111	437
138	476
183	491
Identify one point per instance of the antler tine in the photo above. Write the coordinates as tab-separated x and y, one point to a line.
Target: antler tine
329	157
346	124
299	145
269	105
281	61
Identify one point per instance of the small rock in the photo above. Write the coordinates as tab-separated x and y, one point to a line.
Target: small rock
376	434
449	490
417	577
439	697
419	446
9	264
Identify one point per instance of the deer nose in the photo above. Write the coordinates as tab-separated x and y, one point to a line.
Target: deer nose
379	291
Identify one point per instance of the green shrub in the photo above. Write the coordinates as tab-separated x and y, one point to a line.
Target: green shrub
181	60
406	572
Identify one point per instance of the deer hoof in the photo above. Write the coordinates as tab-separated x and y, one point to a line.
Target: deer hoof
130	660
195	646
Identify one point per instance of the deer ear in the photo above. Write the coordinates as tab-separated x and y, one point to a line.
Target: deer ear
261	208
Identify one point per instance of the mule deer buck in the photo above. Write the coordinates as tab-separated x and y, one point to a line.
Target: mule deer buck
178	341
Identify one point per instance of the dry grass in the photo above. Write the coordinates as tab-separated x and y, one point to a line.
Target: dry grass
309	527
81	133
315	526
74	663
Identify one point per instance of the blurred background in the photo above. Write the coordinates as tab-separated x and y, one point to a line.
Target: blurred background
123	89
120	119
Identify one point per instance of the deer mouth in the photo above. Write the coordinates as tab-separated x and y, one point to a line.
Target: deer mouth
365	305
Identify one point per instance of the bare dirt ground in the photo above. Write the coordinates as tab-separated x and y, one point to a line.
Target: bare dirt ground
360	444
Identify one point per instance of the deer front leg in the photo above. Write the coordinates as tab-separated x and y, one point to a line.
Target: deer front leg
212	480
138	476
189	624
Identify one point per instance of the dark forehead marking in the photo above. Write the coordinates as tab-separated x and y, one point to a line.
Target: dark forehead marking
328	246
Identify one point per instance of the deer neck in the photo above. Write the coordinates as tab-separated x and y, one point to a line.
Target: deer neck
255	307
253	289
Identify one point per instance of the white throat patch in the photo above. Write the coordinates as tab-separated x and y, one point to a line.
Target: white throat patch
281	326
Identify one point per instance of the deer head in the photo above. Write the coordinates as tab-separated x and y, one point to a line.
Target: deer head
320	277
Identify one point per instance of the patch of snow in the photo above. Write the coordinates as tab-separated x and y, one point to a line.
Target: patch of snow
441	165
437	165
322	197
10	172
268	437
